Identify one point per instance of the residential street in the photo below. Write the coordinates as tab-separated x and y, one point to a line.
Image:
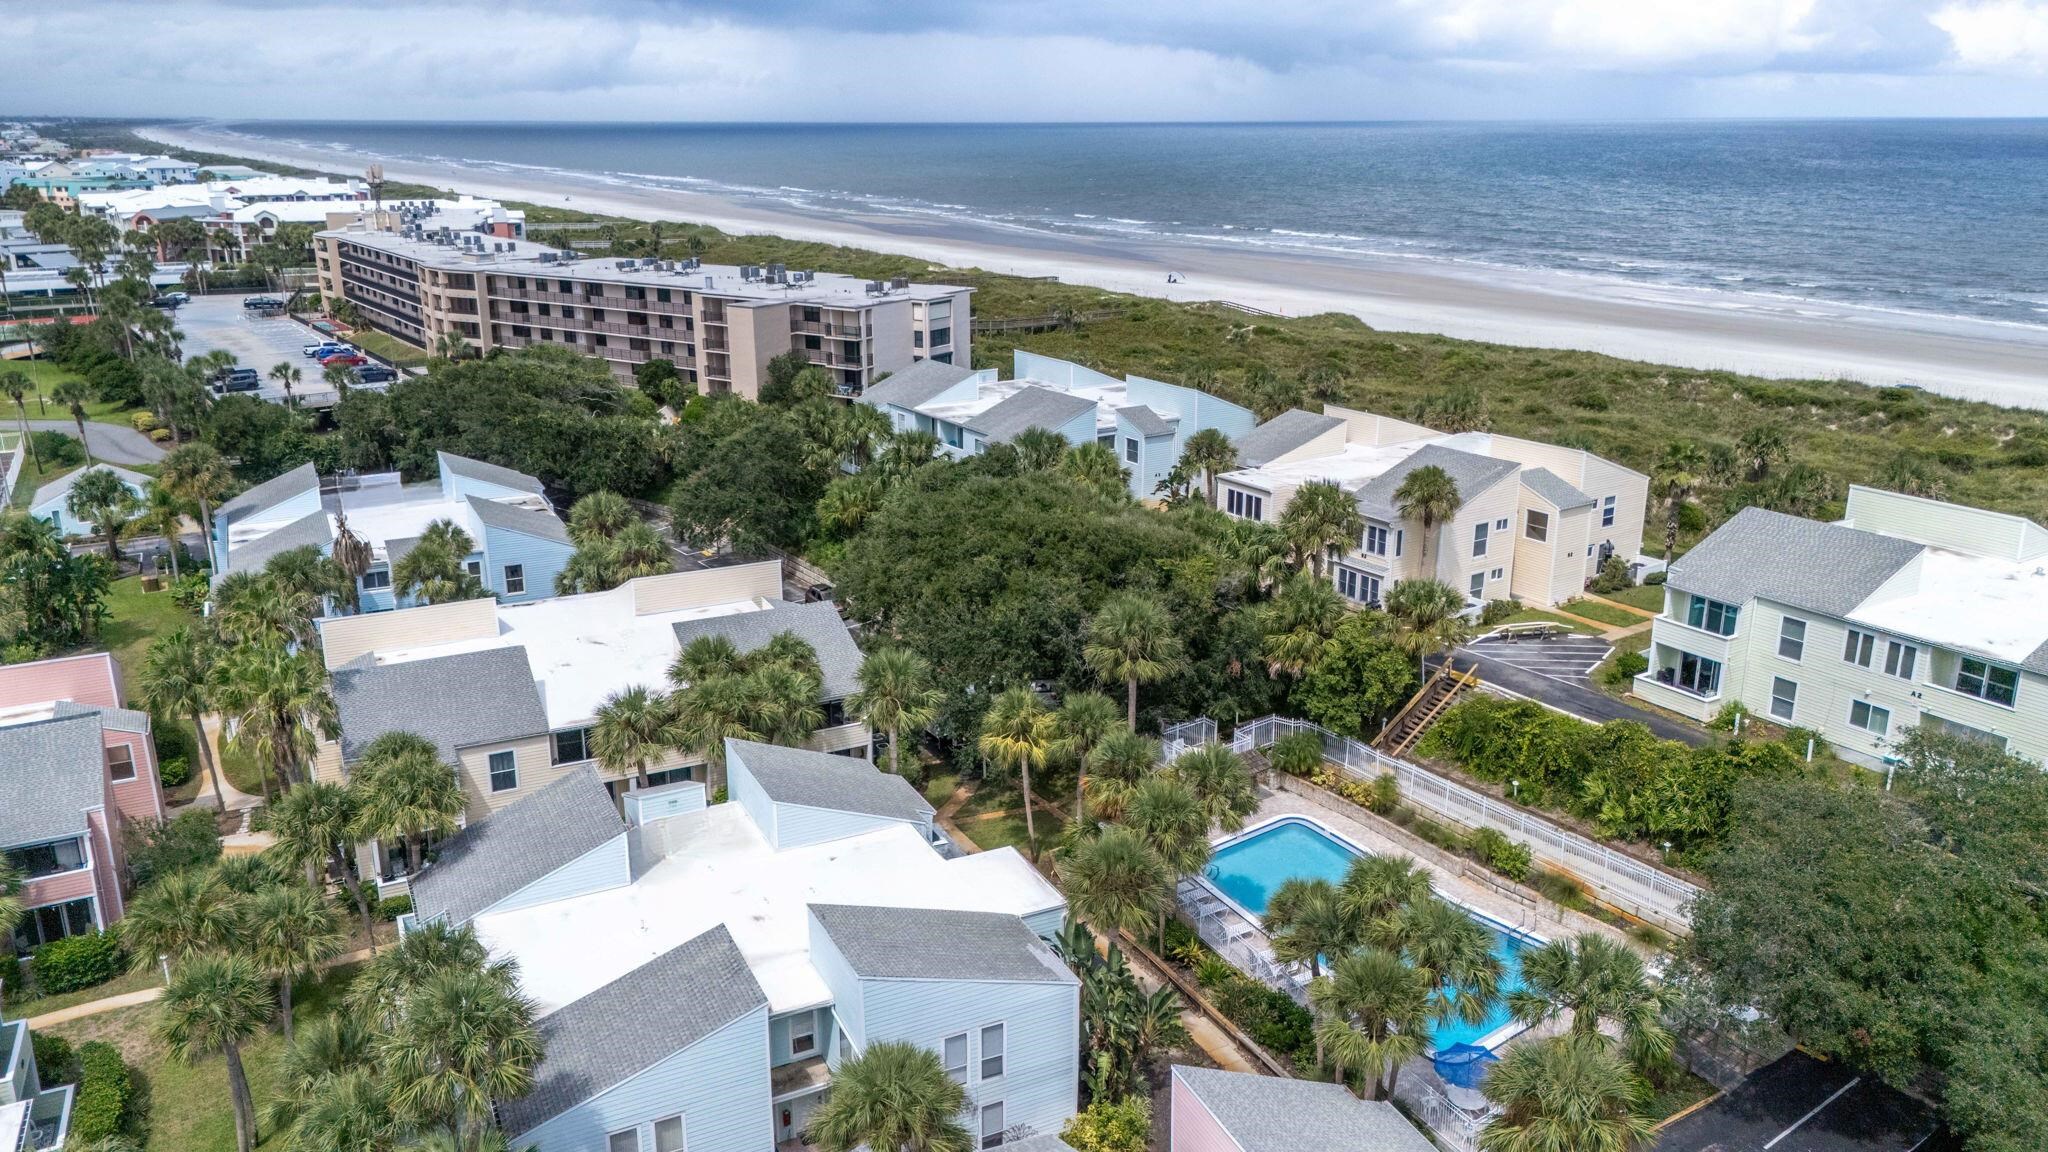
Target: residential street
109	443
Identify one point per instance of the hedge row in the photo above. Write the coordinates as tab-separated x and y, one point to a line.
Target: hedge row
100	1107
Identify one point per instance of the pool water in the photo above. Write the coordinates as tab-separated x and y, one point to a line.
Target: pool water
1249	870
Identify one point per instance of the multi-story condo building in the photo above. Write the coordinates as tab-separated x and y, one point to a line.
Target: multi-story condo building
701	971
1215	1110
719	324
1535	521
75	768
1146	422
1908	612
32	1118
521	545
509	692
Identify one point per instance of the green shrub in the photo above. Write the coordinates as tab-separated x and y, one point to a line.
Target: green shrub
1559	889
55	449
1655	579
174	772
191	839
76	962
1497	611
1613	576
392	907
56	1063
1386	795
1626	667
1179	936
1795	740
1111	1126
1268	1016
1297	753
100	1107
1501	854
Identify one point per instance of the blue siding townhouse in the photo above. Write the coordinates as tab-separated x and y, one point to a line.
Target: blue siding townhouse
521	544
1146	422
780	935
52	501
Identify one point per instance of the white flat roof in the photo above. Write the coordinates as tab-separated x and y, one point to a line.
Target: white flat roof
715	867
583	648
1354	465
1107	397
1996	608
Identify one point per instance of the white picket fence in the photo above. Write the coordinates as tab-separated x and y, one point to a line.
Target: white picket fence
1617	879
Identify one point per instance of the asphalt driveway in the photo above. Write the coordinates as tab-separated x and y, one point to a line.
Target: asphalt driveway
109	443
1566	658
1803	1104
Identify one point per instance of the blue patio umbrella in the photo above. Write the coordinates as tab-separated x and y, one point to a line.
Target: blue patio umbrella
1464	1064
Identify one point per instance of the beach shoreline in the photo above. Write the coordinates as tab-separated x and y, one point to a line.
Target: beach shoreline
1690	328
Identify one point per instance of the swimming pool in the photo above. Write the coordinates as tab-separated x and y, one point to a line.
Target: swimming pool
1249	868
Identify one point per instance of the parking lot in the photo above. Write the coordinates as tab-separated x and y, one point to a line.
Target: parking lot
261	343
1801	1104
1566	658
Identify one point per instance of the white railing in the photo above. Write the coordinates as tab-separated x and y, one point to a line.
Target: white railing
1618	880
1179	739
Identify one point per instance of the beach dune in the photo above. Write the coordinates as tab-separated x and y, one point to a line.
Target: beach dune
1689	328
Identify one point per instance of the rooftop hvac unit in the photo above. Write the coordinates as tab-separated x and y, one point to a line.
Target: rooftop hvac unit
874	287
692	264
776	270
568	253
780	276
547	257
899	283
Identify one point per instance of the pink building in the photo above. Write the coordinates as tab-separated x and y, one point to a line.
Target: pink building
1218	1111
75	767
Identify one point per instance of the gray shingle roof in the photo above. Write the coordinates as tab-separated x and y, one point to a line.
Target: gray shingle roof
1802	563
1273	1114
312	528
117	719
916	384
525	521
51	771
62	485
1552	487
933	944
635	1022
522	842
822	780
1146	421
454	701
488	473
1471	472
271	491
818	624
1281	435
1029	407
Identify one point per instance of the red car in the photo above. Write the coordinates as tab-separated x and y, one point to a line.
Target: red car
349	358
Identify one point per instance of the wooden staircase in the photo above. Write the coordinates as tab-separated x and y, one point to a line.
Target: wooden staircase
1423	708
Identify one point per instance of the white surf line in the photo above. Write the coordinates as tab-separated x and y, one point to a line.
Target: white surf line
1817	1110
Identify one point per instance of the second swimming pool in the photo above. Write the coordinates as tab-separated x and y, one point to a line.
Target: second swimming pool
1249	869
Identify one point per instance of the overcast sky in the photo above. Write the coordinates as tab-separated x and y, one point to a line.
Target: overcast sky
1025	59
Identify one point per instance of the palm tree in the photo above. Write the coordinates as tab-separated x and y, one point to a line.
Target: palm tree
402	791
1457	955
11	906
1210	453
180	916
1115	881
894	1097
1426	613
1095	467
449	346
1374	1016
1379	888
1115	766
1166	813
380	992
783	702
340	377
1299	620
634	727
1083	721
280	706
17	385
352	1109
80	279
1677	476
434	571
1429	495
197	472
327	1048
1319	520
710	711
176	679
1598	981
1565	1092
289	930
638	550
102	499
1308	919
896	692
163	513
311	824
288	377
466	1039
598	516
703	658
1016	733
1222	785
1131	639
215	1003
1039	449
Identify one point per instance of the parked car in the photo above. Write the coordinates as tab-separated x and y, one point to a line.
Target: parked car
353	359
325	348
376	374
168	300
254	302
239	380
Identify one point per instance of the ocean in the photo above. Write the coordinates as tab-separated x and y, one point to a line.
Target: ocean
1942	217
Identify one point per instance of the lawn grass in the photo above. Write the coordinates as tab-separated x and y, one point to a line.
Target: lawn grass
993	817
1605	613
1684	1091
186	1105
243	770
1648	597
47	376
134	619
25	1006
1538	615
34	476
389	348
1640	642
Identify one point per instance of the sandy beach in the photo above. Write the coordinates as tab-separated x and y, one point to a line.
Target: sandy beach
1702	329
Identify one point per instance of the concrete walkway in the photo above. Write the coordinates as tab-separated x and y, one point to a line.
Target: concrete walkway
144	996
237	800
108	443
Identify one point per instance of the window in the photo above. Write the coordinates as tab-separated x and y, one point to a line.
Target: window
803	1035
1496	574
1963	730
1399	536
504	772
1784	697
1869	717
992	1125
1791	638
376	578
1607	512
1375	540
955	1055
47	859
40	926
1987	681
991	1051
1479	539
1712	616
515	579
1360	587
1858	647
668	1134
474	568
941	337
1131	449
572	745
1899	659
1538	527
662	295
121	762
917	339
1479	585
1244	505
1698	675
627	1141
597	314
1500	525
